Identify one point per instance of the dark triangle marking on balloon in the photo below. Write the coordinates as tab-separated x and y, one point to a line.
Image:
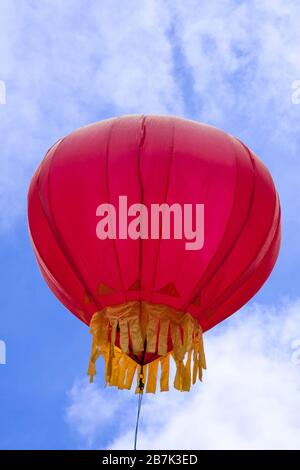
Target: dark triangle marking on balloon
103	289
196	300
136	285
209	313
169	289
87	298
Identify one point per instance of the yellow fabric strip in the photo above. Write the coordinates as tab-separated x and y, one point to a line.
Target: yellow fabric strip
151	336
165	371
187	333
195	367
92	366
152	377
136	336
179	375
114	324
177	342
163	337
144	315
111	350
131	368
103	334
122	371
114	380
124	335
201	351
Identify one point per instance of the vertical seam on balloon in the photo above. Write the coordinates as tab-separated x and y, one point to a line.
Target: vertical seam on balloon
55	232
108	200
60	239
201	283
245	273
141	142
40	258
224	259
276	235
41	262
51	279
165	200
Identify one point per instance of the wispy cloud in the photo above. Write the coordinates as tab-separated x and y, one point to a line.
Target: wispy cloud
243	58
92	412
248	400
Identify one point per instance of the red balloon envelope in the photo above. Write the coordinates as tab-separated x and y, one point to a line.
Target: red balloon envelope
152	230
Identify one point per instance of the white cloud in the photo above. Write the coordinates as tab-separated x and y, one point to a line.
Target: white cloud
90	410
243	57
249	398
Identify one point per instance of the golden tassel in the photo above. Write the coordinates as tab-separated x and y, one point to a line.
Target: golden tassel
141	323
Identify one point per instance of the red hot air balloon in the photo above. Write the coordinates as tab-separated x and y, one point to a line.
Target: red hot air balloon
97	206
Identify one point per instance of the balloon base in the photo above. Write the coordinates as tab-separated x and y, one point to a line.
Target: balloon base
137	327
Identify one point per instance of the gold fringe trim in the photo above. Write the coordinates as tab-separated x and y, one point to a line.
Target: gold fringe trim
140	323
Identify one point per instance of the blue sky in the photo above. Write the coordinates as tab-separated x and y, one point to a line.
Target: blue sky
66	64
